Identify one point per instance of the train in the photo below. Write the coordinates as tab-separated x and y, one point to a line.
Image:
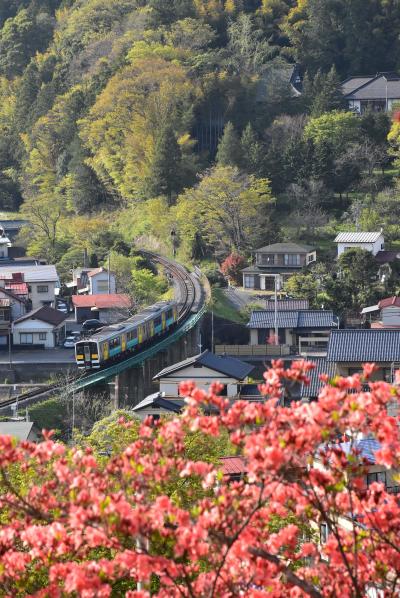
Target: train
120	340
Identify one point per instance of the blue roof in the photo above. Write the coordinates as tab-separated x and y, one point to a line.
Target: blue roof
293	319
364	345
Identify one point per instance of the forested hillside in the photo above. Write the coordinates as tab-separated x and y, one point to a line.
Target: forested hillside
129	120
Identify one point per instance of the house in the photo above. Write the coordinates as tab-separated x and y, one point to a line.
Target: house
376	93
296	328
310	392
42	282
5	244
350	349
93	281
44	326
21	430
373	242
234	469
281	259
156	405
386	314
108	308
19	304
204	369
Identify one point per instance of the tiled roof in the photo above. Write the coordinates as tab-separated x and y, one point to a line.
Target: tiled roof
44	314
366	447
379	88
353	83
285	248
32	273
364	345
312	390
389	302
102	301
357	237
98	271
157	400
233	465
293	319
228	366
287	304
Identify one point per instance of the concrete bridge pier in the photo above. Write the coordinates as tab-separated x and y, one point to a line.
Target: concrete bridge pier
134	384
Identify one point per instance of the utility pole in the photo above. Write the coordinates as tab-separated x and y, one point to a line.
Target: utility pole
109	274
212	331
276	310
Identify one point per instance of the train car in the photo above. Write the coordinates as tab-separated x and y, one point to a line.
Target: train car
117	340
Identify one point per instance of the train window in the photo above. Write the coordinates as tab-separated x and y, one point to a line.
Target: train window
115	342
132	335
170	314
157	322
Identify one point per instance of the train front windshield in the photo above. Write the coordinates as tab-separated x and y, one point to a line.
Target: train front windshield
87	356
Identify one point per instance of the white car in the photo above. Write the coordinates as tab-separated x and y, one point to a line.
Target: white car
62	308
69	342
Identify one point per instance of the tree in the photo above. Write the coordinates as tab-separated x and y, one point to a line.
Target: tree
165	177
252	151
229	209
232	267
358	272
229	150
322	93
77	524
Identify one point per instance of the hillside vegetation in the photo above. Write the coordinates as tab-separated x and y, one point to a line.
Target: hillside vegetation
172	124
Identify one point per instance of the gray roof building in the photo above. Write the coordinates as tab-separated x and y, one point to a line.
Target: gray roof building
22	430
297	319
287	304
364	346
228	366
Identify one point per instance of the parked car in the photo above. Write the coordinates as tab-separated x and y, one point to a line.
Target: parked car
69	342
62	308
74	334
90	325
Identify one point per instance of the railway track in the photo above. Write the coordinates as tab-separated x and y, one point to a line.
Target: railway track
185	284
189	297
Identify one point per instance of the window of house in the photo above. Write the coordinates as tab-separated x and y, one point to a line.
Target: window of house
102	286
4	315
323	533
267	259
42	336
249	282
42	288
292	259
377	476
26	338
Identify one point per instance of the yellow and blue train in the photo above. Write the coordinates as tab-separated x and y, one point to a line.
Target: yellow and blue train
119	340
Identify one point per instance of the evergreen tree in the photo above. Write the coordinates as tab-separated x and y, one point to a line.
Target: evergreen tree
252	151
229	148
327	95
165	172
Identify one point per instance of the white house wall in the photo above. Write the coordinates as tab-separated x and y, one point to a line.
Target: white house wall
203	377
372	247
391	316
40	299
35	327
99	283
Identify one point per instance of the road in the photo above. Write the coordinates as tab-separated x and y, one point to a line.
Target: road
58	355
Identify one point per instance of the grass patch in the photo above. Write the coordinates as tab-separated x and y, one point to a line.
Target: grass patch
223	308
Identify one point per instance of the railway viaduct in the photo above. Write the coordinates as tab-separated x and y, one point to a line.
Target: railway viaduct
129	381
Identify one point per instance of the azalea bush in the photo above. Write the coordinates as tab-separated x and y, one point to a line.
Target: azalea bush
73	524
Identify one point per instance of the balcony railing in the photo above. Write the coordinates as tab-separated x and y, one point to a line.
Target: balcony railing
253	350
